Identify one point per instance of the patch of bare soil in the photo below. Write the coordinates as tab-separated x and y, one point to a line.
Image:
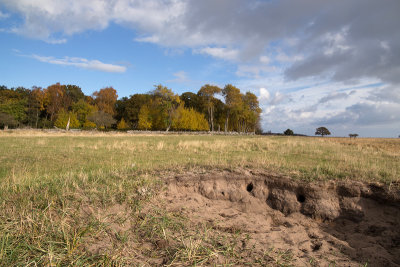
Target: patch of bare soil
345	223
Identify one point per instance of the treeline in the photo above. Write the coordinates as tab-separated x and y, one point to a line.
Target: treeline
160	109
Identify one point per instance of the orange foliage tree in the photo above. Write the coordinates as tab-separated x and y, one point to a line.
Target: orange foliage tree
56	99
105	100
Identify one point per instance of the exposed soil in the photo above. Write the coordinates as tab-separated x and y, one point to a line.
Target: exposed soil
347	223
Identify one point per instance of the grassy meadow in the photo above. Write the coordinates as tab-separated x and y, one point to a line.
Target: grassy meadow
59	191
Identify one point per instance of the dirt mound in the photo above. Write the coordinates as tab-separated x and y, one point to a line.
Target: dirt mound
345	223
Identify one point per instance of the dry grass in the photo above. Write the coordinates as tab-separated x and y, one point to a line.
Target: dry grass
86	198
28	155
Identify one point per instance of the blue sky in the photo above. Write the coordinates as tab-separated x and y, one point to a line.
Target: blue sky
311	63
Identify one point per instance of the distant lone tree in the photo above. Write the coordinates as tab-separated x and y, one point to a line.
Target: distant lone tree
322	131
288	132
353	135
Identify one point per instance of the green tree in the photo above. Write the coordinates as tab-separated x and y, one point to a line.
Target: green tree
16	108
74	93
322	131
192	100
82	110
7	120
288	132
36	108
207	92
353	135
129	108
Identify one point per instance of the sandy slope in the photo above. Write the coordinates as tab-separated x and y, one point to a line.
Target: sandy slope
346	223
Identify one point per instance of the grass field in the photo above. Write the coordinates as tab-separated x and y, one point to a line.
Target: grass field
48	180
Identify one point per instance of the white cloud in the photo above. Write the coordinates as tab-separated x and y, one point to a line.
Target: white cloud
385	45
219	52
180	77
254	70
264	95
335	42
43	19
302	106
81	63
282	57
266	98
311	39
265	59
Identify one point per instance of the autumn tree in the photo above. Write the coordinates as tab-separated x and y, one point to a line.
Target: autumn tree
207	92
322	131
102	119
168	103
145	121
233	101
63	117
189	119
122	125
56	99
251	112
105	100
88	125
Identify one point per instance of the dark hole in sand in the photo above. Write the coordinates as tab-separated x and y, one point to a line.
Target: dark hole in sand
249	187
223	193
301	198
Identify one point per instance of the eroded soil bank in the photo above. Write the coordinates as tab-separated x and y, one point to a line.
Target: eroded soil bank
345	223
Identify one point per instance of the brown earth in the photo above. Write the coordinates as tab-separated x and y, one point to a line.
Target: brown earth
344	223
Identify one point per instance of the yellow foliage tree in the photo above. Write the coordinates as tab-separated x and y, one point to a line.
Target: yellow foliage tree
89	125
189	119
63	117
122	125
144	118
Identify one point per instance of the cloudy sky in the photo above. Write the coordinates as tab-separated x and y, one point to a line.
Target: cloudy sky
311	63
